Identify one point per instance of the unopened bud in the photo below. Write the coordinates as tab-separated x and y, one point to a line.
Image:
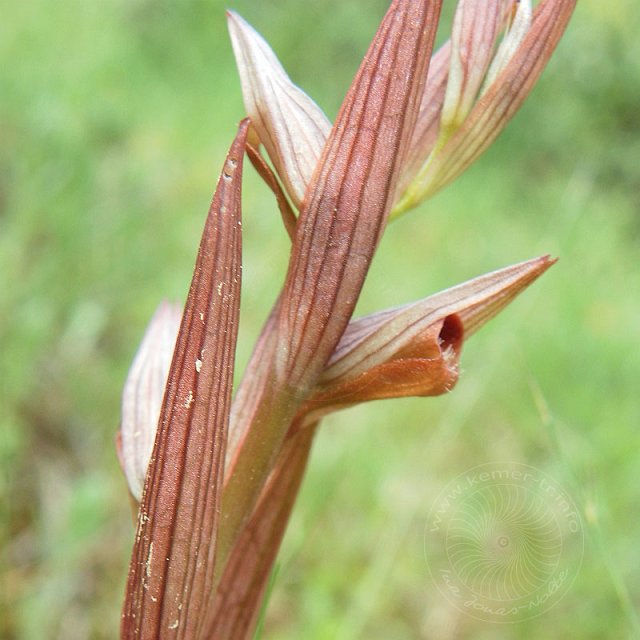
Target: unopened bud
143	393
291	126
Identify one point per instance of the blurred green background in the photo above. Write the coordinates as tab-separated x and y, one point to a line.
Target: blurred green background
114	120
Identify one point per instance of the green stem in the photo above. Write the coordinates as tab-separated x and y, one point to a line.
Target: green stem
253	462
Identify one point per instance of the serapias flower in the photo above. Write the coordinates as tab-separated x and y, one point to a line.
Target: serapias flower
527	46
223	475
477	81
414	350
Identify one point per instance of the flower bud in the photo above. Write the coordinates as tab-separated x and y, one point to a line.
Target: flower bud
290	125
143	393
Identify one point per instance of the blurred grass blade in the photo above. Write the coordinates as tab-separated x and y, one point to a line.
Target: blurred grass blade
173	557
241	589
143	393
290	125
414	350
473	38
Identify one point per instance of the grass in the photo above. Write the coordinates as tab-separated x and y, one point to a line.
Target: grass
114	121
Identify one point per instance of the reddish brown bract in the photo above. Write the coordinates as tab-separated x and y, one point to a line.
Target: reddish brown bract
172	565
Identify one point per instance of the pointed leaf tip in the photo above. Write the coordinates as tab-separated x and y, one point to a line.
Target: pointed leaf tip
173	559
292	128
475	28
487	295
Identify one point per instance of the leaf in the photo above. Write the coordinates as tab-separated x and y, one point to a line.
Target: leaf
352	190
290	125
254	386
173	558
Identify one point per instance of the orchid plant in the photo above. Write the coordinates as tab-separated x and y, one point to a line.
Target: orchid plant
214	479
